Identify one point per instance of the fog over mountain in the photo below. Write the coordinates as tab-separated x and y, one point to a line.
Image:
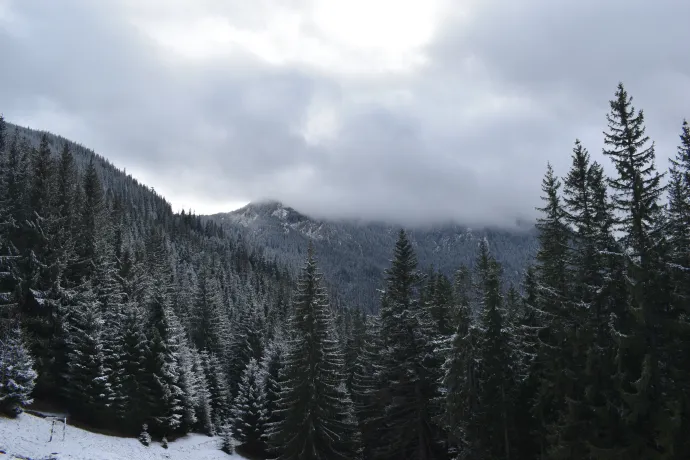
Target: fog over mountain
408	110
353	254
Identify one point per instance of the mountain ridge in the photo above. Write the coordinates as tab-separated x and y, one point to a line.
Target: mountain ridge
355	253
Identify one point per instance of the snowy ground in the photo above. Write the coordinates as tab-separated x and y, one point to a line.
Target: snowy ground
27	437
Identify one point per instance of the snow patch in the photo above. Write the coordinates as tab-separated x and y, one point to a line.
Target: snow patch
28	436
280	213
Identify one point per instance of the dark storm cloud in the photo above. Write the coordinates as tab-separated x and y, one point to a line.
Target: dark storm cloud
507	88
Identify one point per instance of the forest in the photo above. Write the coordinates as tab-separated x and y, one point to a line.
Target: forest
154	324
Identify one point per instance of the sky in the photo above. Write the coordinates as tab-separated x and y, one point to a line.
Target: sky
411	111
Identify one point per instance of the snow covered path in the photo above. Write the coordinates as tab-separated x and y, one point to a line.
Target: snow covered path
27	436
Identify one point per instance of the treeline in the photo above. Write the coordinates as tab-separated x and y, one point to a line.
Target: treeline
587	359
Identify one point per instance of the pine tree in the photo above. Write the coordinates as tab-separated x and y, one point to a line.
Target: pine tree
495	371
461	379
188	383
273	364
249	416
368	387
247	343
134	389
92	221
162	366
592	302
210	325
529	432
203	408
353	342
39	264
218	389
17	375
553	313
87	387
645	352
317	419
679	243
409	428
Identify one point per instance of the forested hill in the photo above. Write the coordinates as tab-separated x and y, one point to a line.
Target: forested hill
353	255
131	312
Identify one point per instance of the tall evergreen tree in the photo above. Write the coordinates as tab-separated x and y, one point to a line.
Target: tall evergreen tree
247	342
409	424
218	389
273	364
204	410
210	324
163	368
495	371
17	375
645	353
461	374
368	387
316	411
87	387
551	308
679	242
249	416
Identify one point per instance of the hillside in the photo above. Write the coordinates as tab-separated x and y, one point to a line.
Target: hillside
115	307
353	255
27	436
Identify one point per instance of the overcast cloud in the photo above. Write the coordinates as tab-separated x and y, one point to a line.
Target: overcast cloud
388	109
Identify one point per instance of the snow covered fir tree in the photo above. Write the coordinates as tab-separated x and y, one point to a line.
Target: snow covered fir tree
128	315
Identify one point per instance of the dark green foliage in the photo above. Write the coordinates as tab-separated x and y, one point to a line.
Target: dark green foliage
494	438
646	351
317	418
247	343
249	415
368	387
17	375
461	378
87	385
218	389
273	367
409	427
162	367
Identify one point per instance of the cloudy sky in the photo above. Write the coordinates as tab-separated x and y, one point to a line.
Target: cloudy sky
398	109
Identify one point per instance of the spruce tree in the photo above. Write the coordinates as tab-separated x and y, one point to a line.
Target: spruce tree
87	387
317	419
368	387
409	423
246	343
218	389
273	364
209	323
496	368
552	310
645	352
249	415
166	404
39	266
134	389
679	243
353	341
17	376
203	408
461	374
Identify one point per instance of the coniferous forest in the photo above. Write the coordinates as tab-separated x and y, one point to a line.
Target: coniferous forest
139	320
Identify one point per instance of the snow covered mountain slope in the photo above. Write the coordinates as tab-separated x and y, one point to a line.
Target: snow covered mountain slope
27	437
353	255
